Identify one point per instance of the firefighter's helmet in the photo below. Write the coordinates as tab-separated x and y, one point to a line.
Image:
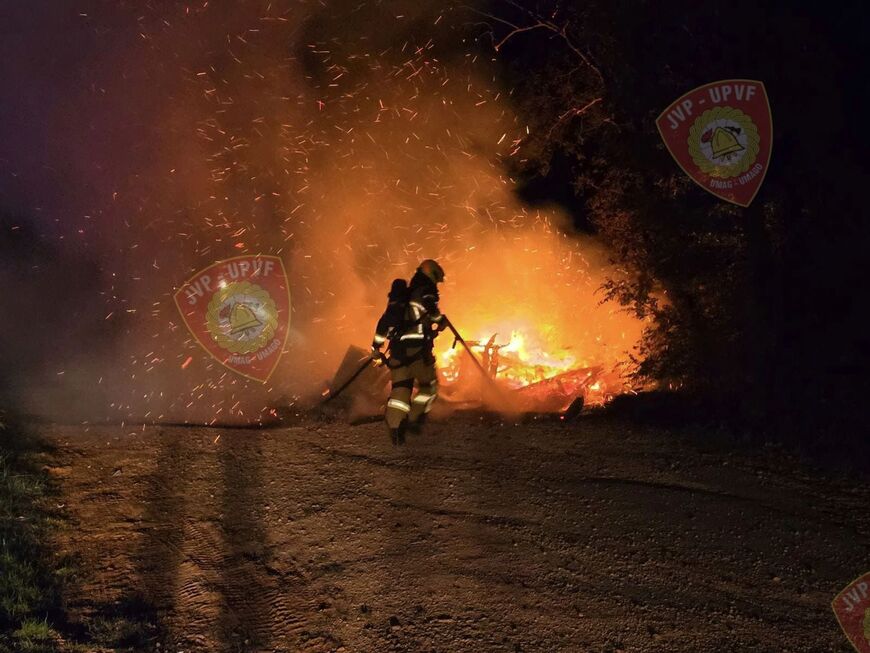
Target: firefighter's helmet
431	269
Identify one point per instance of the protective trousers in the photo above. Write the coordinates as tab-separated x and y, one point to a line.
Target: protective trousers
400	405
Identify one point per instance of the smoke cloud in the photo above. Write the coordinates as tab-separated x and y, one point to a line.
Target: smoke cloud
350	138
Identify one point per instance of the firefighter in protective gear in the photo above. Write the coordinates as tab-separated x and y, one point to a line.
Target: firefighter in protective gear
411	359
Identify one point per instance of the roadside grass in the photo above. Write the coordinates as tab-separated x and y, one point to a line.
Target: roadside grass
34	635
32	617
29	589
126	625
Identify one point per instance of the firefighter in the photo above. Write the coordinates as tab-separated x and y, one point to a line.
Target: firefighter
410	357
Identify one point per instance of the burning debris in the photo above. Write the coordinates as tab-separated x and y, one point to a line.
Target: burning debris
529	381
538	380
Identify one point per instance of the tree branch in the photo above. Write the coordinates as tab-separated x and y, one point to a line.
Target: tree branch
542	22
574	111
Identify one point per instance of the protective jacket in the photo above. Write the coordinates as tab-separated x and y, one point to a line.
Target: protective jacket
410	318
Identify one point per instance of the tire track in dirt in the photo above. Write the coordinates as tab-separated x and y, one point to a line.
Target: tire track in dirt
263	607
159	562
264	489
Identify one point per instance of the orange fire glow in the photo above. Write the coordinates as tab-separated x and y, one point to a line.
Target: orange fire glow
529	307
517	362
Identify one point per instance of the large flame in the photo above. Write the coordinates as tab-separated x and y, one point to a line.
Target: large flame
351	139
518	362
527	304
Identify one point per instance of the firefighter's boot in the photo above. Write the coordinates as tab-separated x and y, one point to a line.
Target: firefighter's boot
399	404
397	435
416	427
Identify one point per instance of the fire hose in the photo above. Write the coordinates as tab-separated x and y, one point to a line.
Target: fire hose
369	359
458	338
334	393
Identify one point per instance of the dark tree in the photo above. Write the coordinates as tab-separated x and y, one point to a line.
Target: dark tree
757	311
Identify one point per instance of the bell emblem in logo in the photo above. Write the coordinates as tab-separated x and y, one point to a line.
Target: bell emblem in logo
242	318
724	142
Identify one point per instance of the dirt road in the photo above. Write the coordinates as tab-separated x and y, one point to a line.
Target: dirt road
474	538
